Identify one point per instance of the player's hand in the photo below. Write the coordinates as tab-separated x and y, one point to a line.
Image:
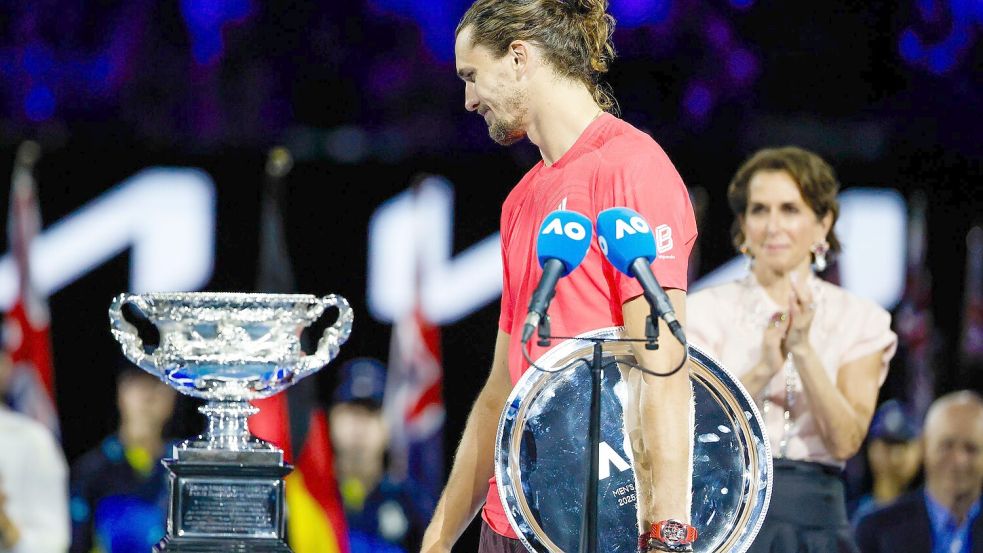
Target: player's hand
433	542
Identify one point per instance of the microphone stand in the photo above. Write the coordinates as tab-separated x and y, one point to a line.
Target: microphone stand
588	524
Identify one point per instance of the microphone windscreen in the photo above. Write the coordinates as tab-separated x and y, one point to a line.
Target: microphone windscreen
624	236
565	236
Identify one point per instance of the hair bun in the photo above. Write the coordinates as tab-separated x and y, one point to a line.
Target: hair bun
588	8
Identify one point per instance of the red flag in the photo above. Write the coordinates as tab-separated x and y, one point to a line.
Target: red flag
26	335
971	343
913	321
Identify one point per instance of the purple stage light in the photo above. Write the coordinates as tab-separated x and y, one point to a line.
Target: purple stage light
741	65
940	60
634	13
944	55
36	60
389	77
718	32
39	104
742	4
698	100
206	19
963	11
929	10
99	74
437	20
910	47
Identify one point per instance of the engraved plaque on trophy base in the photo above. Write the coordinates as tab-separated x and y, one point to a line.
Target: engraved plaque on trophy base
225	507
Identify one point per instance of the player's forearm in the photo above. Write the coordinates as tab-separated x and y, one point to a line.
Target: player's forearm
665	406
473	465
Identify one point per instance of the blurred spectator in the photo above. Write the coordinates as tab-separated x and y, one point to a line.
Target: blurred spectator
382	515
119	489
944	516
893	455
33	482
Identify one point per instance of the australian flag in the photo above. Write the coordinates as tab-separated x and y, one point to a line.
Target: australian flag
26	328
414	407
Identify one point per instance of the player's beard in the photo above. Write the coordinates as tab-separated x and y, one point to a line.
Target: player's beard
509	131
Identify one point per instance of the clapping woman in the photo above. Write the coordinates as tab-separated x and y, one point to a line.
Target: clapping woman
811	354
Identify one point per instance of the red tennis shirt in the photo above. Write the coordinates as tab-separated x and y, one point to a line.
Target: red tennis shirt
612	164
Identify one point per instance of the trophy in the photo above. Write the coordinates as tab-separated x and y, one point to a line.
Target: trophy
226	486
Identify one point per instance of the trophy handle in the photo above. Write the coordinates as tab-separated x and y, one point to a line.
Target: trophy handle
334	336
126	334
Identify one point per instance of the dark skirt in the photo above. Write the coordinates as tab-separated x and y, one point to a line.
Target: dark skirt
807	513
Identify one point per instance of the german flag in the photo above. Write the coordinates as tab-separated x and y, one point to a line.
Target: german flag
293	420
315	518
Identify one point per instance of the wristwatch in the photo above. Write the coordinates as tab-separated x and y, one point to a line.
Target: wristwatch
668	535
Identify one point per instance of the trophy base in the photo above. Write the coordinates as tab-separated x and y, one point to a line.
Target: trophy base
228	501
220	545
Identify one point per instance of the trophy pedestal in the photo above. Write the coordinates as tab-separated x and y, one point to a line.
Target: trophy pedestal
225	501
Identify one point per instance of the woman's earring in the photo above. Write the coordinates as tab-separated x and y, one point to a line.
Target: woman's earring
819	251
748	258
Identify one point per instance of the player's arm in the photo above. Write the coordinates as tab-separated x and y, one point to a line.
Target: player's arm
467	486
665	409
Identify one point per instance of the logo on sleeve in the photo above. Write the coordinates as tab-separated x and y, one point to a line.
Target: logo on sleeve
663	239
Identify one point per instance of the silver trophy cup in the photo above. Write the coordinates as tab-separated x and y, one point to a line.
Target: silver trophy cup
228	348
542	454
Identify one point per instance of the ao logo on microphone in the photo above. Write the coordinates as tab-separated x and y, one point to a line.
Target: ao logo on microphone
632	226
572	230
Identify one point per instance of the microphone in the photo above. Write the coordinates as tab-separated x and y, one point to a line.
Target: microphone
562	244
627	242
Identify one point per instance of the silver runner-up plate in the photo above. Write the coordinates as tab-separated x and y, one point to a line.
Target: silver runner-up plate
541	458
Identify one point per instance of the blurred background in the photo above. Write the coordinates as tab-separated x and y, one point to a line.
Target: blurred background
155	121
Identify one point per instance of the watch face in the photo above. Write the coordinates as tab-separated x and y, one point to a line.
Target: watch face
673	532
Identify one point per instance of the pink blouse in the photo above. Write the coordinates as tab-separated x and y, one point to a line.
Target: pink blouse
727	322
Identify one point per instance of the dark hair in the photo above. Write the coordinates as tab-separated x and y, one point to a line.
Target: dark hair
815	178
575	36
127	372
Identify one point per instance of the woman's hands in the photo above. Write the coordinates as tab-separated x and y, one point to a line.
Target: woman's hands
773	343
787	331
802	308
